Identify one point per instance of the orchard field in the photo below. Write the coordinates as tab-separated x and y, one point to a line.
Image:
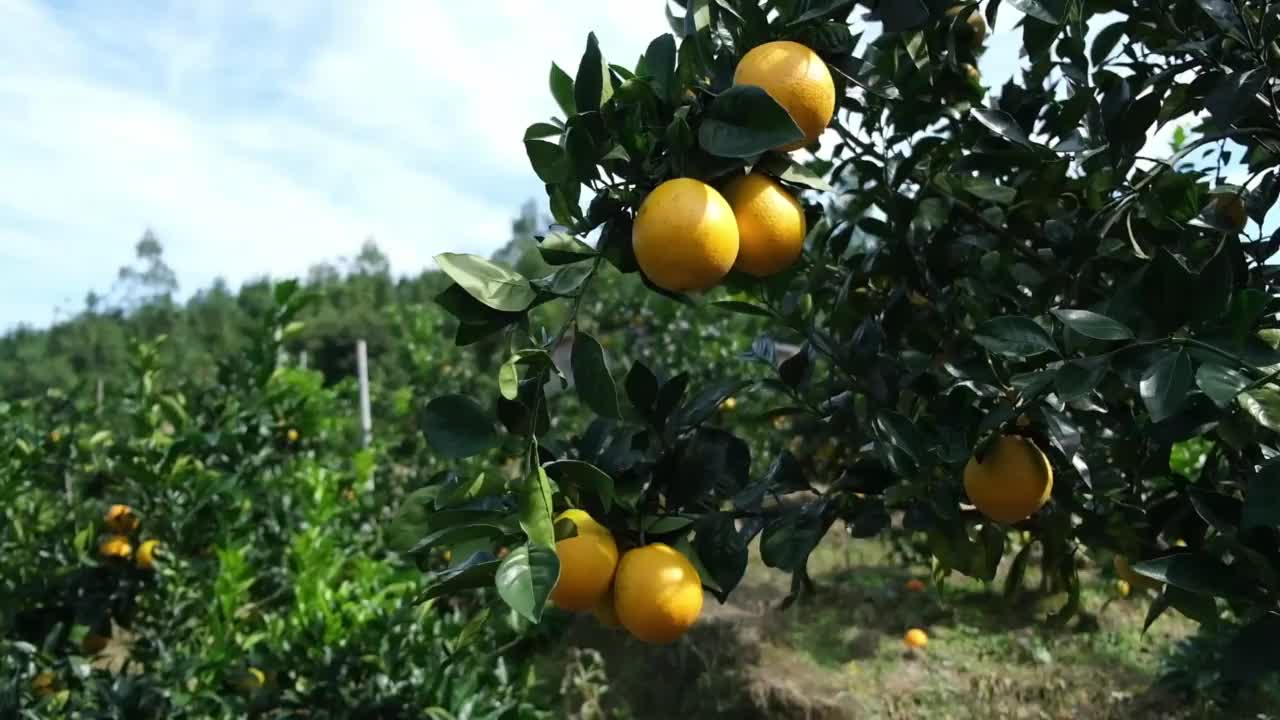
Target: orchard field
830	383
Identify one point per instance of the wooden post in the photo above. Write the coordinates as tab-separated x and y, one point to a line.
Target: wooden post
362	370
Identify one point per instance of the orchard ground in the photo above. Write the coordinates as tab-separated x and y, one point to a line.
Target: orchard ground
840	654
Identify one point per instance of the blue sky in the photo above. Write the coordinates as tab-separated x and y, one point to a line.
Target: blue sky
262	138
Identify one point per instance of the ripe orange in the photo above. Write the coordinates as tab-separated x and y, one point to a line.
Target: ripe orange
771	224
115	546
292	435
797	79
915	585
657	593
587	563
916	638
1122	588
1013	480
685	236
146	557
1230	208
729	404
121	519
605	613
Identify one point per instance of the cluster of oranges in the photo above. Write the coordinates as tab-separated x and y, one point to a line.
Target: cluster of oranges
122	522
688	235
653	590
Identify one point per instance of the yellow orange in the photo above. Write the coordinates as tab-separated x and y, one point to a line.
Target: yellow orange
115	546
292	435
1126	573
657	593
605	613
121	519
977	25
797	79
146	557
916	638
685	236
1013	480
771	224
587	564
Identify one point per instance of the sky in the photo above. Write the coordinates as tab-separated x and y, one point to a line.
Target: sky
263	138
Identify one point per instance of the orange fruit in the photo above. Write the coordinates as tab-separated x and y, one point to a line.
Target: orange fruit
1122	588
1013	480
685	236
916	638
146	557
771	224
44	684
729	404
292	435
972	74
587	563
797	79
115	546
1230	207
121	519
915	585
657	593
605	613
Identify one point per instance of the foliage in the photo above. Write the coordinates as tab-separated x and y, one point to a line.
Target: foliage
979	263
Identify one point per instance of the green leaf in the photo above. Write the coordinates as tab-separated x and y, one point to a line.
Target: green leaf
576	473
1015	336
1222	384
744	121
660	64
985	189
796	173
526	578
1198	573
1263	405
535	509
898	430
789	538
562	248
1262	498
494	285
457	427
1077	378
666	524
562	90
1165	384
592	378
1223	12
705	403
537	131
1050	11
476	571
548	160
1093	325
1003	124
593	85
642	387
722	550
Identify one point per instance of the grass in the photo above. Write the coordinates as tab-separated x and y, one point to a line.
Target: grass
839	653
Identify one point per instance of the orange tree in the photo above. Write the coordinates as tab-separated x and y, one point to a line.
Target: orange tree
1008	311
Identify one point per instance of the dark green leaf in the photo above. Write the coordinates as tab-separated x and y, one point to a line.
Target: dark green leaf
535	509
1220	383
1262	498
722	550
1235	94
705	403
1003	124
902	433
548	159
903	15
525	579
1093	325
576	473
457	427
562	90
642	387
666	524
561	248
789	538
476	571
660	64
592	378
1077	378
537	131
790	171
1165	384
494	285
1198	573
593	85
1015	336
1223	12
744	121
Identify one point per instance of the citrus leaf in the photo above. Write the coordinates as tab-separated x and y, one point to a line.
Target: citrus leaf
548	160
1262	498
1220	383
744	121
1077	378
593	85
592	377
584	475
1165	384
456	427
1093	325
1197	573
525	579
1049	11
494	285
562	90
561	248
1015	336
1003	124
535	509
1263	405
